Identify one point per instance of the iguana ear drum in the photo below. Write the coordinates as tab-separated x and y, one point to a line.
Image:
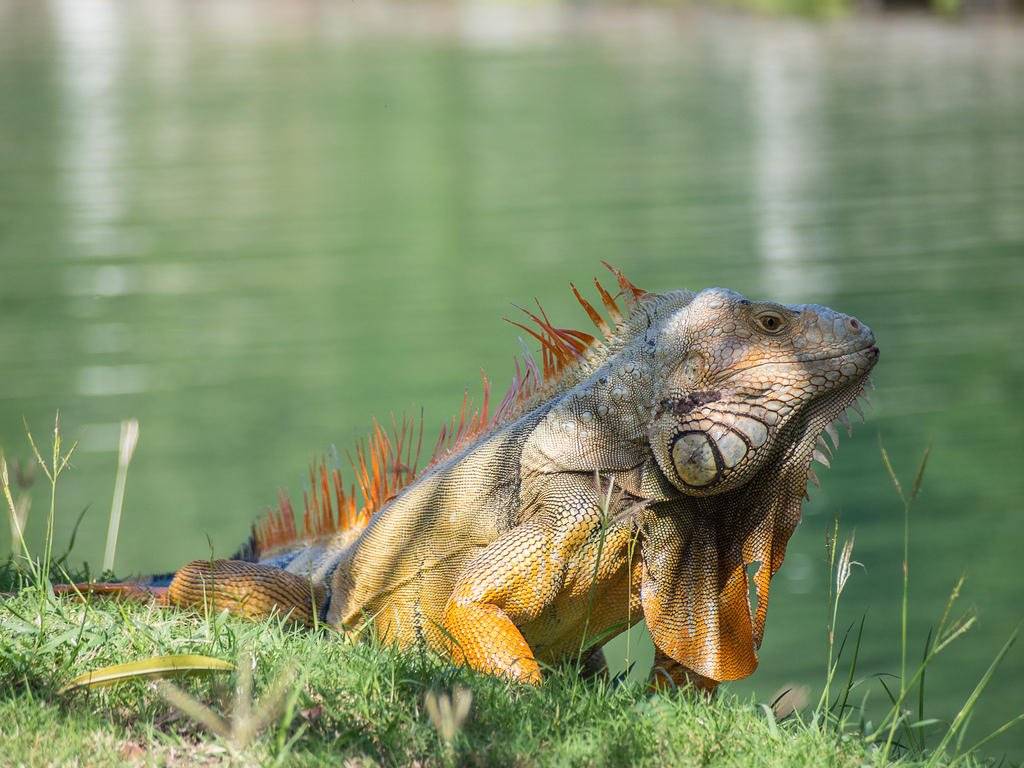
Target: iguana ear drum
713	459
694	458
702	459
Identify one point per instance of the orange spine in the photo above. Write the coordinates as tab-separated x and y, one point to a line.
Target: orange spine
380	468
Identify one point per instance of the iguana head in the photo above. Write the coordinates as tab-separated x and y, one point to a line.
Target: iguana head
741	382
743	392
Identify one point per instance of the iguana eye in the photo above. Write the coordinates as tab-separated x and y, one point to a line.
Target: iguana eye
770	322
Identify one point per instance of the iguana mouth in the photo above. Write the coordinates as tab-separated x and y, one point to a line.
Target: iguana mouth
722	435
869	347
855	387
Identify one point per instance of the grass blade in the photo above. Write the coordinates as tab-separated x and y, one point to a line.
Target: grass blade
158	666
1005	726
892	472
125	451
196	710
853	666
965	711
919	476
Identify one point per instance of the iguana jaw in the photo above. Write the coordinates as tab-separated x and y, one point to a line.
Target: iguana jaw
746	434
814	416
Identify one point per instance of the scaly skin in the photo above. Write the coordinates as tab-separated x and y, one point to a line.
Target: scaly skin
640	485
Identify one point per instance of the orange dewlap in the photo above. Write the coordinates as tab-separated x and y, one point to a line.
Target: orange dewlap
246	589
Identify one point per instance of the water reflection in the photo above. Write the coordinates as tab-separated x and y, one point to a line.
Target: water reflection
90	53
787	97
91	48
255	226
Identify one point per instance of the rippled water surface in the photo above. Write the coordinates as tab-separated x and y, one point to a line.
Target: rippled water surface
255	228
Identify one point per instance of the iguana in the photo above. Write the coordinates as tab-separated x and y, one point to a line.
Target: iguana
631	477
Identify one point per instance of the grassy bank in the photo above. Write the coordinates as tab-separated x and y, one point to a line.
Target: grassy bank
324	701
292	697
269	693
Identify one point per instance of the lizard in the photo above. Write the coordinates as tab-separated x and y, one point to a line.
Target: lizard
636	476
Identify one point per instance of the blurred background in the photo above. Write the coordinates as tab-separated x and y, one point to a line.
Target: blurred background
253	226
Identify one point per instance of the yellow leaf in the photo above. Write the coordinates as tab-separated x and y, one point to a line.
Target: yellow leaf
158	666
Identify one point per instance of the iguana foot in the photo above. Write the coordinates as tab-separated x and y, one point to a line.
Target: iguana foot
595	666
669	674
484	638
247	589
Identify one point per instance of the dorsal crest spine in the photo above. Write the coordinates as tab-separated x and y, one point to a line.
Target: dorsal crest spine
384	462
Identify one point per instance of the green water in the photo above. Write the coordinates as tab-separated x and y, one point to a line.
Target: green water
254	230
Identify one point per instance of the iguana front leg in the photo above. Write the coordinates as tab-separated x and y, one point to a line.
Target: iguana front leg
514	579
509	583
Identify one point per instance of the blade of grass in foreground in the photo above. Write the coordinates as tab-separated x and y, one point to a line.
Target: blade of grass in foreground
907	503
125	451
158	666
965	711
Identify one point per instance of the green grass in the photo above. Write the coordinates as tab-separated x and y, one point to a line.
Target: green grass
356	701
361	702
311	698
